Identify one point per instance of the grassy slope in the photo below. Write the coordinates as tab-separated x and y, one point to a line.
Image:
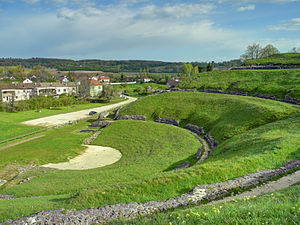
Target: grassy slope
281	207
266	147
147	148
277	59
275	82
10	122
223	115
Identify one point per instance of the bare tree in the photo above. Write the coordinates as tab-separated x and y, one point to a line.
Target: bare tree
268	50
253	52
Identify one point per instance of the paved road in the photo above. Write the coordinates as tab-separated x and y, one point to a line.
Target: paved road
62	119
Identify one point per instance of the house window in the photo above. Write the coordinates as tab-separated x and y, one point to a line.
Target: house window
58	90
65	90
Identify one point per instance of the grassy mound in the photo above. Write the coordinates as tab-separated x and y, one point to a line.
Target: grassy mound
281	207
266	147
223	115
277	59
147	148
275	82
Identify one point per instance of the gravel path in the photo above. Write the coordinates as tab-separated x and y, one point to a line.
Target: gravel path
62	119
20	142
272	186
93	157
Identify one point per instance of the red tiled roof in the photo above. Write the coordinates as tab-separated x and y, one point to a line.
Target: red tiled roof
94	83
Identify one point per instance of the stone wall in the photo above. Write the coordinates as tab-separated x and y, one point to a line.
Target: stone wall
132	117
167	121
133	209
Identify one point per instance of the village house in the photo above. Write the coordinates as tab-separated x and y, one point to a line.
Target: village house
16	92
173	83
27	81
25	91
104	79
95	88
147	79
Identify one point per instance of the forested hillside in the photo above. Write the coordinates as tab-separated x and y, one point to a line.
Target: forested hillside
109	65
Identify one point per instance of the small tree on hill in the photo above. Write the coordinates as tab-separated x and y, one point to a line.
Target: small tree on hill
268	51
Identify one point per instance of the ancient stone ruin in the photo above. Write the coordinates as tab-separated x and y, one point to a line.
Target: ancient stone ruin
167	121
133	117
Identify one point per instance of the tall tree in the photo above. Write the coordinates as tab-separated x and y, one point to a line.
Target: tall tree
253	52
195	70
187	69
268	50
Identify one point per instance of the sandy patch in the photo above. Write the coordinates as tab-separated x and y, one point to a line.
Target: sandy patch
93	157
62	119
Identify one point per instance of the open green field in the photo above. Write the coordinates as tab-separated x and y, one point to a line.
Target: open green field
281	207
10	122
274	82
254	134
132	89
277	59
223	115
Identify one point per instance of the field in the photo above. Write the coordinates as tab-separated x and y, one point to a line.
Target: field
254	134
277	59
10	122
274	82
139	89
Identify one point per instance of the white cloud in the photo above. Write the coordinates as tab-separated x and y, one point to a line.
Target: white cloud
175	11
31	1
254	1
246	8
291	25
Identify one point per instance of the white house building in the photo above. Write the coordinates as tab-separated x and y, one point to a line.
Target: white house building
27	81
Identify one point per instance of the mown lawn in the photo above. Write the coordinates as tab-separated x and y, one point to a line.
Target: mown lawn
147	148
10	122
223	115
281	207
274	82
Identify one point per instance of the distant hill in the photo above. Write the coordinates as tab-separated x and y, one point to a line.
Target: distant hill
109	65
277	59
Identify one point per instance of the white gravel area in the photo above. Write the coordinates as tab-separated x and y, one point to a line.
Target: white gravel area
93	157
64	118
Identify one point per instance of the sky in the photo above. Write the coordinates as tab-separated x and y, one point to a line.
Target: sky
185	31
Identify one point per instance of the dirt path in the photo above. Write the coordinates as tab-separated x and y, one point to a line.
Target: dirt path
272	186
62	119
20	142
93	157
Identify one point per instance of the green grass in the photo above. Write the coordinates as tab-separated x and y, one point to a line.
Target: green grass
223	115
150	150
10	122
277	59
17	208
147	148
275	82
281	207
266	147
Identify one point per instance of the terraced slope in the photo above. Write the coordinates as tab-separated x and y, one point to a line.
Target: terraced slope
223	115
264	139
274	82
277	59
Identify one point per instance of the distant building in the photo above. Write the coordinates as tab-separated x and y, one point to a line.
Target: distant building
27	81
25	91
95	88
104	79
146	79
173	83
16	92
